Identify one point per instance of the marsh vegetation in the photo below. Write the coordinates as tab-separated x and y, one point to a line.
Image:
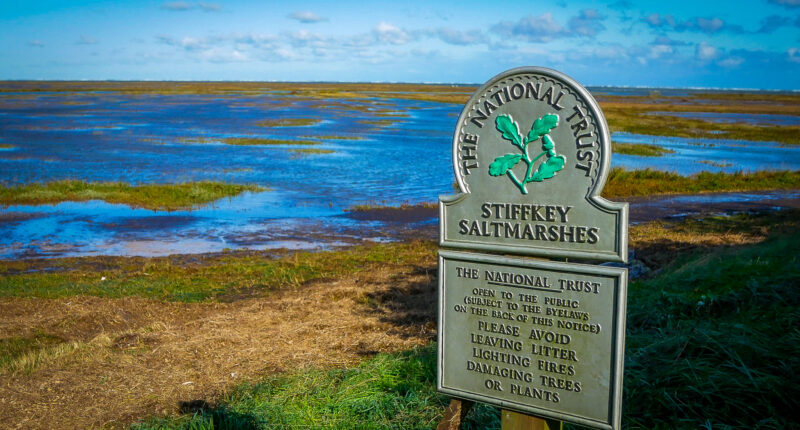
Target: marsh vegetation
247	338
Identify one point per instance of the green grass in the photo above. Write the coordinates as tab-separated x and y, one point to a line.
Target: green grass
195	278
716	163
636	120
390	391
640	149
624	183
288	122
311	151
149	196
265	141
712	342
402	207
12	348
334	137
245	141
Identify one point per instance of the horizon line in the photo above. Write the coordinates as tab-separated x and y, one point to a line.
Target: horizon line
693	88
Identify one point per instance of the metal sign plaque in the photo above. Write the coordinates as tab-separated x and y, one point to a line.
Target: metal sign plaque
539	337
531	154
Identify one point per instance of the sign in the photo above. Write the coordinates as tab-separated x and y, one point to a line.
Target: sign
534	336
531	154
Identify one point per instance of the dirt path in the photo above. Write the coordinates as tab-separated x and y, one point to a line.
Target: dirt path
125	359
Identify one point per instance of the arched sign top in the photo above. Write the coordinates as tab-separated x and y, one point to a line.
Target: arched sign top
539	112
531	154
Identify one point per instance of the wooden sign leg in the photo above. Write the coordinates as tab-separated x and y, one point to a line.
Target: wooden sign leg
515	421
454	414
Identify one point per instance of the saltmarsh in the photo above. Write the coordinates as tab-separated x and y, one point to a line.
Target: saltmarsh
150	196
192	279
710	344
640	149
288	122
624	183
707	339
246	141
624	113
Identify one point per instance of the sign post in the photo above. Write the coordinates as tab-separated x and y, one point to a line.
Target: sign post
537	337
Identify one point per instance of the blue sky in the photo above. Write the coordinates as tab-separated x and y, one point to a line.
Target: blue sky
727	44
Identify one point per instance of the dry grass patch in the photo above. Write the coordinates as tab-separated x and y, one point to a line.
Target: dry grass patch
144	356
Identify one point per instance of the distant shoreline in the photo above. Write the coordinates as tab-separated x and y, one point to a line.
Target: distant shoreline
592	88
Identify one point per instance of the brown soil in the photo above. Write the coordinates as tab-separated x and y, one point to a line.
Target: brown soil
130	358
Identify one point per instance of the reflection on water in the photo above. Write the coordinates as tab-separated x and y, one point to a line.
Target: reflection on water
716	155
384	152
251	220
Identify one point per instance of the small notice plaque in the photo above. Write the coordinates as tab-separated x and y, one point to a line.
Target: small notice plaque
531	154
539	337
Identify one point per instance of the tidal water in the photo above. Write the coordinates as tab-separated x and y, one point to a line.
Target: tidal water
385	152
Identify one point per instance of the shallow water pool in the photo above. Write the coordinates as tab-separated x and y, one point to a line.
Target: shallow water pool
385	152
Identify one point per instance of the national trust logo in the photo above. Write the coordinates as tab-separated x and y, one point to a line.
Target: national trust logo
540	129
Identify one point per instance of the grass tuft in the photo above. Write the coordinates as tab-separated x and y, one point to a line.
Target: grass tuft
288	122
640	149
14	349
150	196
636	118
310	151
246	141
623	183
402	207
335	137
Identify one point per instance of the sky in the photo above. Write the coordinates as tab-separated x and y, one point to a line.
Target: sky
711	44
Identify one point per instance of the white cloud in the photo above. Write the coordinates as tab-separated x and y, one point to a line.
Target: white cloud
664	40
177	6
793	55
541	28
209	7
306	38
255	40
387	33
456	37
182	6
731	62
657	51
306	17
187	43
656	20
36	43
222	55
786	3
710	25
706	52
587	23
